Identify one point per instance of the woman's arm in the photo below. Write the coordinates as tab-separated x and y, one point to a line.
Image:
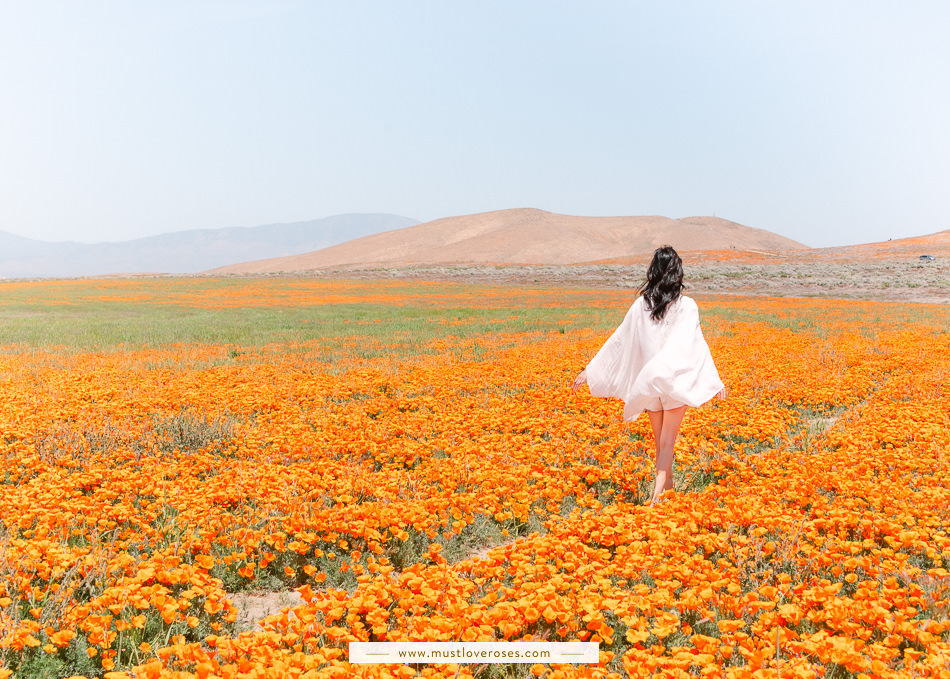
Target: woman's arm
579	380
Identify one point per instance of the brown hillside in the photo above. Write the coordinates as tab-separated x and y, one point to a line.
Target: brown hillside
526	236
936	244
896	250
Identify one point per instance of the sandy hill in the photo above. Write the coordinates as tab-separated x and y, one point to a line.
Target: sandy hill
896	250
525	236
935	244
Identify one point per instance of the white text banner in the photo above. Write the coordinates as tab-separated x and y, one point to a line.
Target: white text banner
474	652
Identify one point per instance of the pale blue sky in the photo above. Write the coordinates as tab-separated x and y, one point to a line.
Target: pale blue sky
826	121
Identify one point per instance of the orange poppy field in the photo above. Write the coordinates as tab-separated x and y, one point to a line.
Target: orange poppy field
411	459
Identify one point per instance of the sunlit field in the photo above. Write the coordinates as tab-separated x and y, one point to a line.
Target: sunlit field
411	459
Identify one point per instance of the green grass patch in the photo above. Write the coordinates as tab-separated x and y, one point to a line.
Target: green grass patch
89	323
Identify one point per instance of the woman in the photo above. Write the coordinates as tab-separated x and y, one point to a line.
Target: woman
658	361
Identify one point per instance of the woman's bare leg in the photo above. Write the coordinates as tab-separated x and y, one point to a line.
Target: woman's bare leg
666	427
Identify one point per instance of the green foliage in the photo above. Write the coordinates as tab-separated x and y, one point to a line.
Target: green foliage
74	317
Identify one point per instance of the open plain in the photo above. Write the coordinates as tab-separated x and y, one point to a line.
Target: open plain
397	459
898	280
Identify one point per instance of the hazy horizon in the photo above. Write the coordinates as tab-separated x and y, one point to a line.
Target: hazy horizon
824	123
121	241
223	228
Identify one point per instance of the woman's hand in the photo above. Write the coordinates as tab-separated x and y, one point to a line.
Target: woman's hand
579	380
723	394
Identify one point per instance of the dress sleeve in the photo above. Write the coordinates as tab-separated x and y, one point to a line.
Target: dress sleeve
684	368
608	373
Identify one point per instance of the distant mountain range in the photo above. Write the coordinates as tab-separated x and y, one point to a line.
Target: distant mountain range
185	251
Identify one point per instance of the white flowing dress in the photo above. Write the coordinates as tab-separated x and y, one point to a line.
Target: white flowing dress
656	365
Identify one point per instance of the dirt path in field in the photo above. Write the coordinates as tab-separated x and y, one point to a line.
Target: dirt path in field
252	608
893	280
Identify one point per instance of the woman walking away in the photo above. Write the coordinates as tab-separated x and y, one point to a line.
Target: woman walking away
658	361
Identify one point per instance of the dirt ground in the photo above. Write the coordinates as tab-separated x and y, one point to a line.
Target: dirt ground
894	280
252	608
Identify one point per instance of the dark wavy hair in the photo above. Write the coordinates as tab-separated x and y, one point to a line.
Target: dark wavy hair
664	282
